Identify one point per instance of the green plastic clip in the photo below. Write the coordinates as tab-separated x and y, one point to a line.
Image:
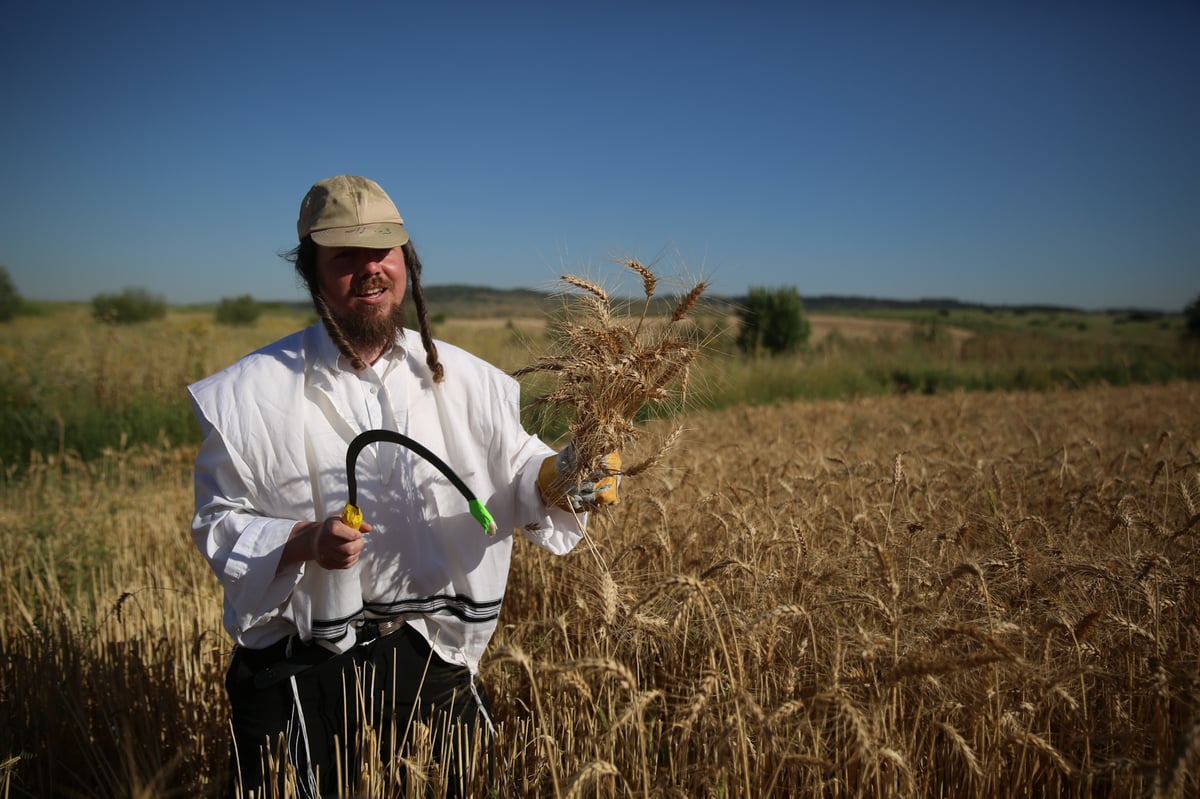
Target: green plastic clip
481	514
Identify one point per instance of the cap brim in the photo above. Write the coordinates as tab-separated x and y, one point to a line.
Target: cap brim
376	236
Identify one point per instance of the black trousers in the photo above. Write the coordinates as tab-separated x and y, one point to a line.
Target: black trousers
392	682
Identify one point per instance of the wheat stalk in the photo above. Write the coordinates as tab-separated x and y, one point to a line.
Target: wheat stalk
649	280
605	665
588	286
594	769
653	460
961	746
608	368
1170	780
708	687
688	302
1017	735
611	596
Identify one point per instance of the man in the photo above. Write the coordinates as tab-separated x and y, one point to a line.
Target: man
384	620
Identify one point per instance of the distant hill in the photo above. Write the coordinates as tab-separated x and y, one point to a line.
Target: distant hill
464	301
836	302
460	300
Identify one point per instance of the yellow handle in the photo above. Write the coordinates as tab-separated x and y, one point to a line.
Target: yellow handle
352	516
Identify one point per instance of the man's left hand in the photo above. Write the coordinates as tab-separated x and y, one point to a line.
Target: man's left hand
599	488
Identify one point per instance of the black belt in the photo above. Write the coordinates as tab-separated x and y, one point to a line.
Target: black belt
374	629
273	664
279	665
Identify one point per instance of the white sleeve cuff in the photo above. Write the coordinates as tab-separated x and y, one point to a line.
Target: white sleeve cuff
253	588
551	528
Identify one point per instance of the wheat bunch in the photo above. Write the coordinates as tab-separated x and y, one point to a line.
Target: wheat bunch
609	366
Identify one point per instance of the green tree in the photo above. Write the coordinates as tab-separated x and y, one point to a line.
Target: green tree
10	300
1191	317
131	305
243	310
773	321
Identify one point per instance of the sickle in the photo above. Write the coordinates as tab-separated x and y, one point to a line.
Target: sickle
352	515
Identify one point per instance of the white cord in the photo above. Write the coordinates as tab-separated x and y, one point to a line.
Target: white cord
479	704
312	781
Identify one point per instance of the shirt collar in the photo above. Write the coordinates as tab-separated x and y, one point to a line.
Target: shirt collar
329	363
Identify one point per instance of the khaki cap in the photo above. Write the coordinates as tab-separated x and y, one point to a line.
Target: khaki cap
349	211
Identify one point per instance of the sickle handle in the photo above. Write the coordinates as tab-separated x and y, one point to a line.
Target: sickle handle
352	516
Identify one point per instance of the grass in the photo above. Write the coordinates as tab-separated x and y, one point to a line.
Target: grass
71	384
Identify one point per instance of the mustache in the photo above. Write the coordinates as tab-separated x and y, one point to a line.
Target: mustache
373	282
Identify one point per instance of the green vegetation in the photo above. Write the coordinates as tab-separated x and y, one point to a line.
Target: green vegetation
938	353
10	300
71	384
130	306
241	310
1191	315
1045	324
773	322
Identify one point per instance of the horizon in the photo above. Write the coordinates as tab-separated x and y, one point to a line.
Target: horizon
1012	155
853	302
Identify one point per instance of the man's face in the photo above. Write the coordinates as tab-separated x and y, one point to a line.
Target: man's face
364	289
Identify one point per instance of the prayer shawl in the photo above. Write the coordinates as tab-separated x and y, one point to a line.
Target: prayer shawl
276	426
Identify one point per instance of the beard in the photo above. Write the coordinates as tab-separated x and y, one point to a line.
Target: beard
366	330
372	332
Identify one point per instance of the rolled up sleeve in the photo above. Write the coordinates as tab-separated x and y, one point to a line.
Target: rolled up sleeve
555	530
551	528
242	545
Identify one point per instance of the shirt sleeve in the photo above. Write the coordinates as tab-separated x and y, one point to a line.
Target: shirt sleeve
243	546
551	528
555	530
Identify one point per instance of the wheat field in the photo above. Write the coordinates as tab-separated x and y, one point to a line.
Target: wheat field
976	594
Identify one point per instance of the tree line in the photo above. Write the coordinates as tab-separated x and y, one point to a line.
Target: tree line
773	321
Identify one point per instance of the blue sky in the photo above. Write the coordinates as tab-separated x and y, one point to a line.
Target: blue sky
989	152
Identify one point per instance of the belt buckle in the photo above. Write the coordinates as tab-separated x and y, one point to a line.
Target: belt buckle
389	626
379	628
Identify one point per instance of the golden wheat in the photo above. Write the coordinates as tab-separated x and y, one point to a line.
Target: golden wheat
608	367
755	633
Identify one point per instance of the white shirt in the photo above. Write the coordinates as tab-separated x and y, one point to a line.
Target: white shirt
276	427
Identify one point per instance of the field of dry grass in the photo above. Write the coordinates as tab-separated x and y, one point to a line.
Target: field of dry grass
974	594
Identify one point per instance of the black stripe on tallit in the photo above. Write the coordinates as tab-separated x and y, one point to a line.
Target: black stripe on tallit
334	629
461	606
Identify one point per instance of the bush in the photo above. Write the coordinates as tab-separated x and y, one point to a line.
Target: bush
773	321
241	310
131	305
10	300
1191	317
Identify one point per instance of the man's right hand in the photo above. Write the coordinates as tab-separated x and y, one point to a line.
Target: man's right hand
330	544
